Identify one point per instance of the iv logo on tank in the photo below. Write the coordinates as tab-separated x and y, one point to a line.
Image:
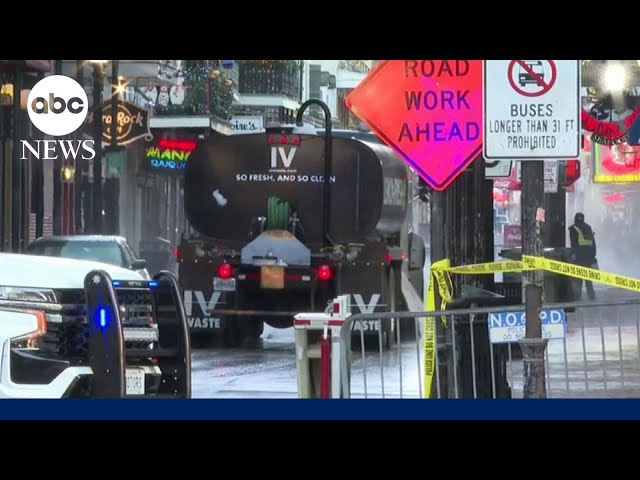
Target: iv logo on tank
285	157
428	111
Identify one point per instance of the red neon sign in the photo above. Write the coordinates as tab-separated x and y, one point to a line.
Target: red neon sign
614	197
608	133
428	111
182	145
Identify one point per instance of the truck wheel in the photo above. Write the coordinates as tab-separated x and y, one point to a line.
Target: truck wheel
386	336
232	333
202	340
196	340
390	334
251	330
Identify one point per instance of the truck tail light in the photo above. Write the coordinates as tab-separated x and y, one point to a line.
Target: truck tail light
225	270
324	273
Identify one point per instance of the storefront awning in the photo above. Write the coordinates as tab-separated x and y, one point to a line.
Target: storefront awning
192	122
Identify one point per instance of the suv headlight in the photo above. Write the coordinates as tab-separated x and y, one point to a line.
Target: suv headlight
33	328
27	294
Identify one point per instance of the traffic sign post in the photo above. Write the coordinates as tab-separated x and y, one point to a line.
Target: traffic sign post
428	111
532	109
532	113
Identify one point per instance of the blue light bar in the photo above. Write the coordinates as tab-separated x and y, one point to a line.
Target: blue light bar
116	283
103	317
153	284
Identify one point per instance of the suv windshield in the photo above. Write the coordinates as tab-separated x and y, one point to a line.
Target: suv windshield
105	252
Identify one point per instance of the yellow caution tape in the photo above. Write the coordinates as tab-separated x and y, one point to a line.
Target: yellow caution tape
584	273
493	267
440	276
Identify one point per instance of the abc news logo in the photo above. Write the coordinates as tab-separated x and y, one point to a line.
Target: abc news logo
58	106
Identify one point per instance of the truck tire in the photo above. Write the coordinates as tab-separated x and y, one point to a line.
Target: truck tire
197	340
251	329
243	331
201	340
232	334
389	336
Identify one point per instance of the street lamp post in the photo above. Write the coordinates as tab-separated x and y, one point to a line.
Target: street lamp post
80	181
111	193
17	183
326	204
95	202
57	184
115	91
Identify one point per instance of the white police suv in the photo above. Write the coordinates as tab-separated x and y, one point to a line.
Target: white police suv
61	339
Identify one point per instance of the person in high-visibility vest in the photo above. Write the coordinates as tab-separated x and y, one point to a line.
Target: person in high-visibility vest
583	251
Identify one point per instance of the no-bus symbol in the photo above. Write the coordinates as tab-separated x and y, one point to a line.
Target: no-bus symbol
532	78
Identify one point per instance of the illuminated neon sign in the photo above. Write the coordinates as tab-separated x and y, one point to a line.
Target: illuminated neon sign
609	133
169	154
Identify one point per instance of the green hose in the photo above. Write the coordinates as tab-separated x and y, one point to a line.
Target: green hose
278	213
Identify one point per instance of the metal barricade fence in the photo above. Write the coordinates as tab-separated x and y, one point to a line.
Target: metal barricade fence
597	357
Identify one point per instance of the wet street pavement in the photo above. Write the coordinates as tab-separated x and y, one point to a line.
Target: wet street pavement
600	357
267	371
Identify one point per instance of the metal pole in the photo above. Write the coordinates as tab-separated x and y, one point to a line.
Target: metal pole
80	181
533	345
16	172
111	206
438	252
326	204
114	103
57	182
96	210
301	93
37	180
3	163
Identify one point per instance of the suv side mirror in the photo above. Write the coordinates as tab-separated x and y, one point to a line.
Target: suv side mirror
138	264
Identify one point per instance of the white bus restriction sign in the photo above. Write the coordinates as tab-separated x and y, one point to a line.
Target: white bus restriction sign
531	109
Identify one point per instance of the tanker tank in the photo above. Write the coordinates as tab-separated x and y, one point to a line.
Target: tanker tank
231	180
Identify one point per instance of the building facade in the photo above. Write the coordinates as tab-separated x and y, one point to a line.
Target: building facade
331	81
271	89
141	182
21	200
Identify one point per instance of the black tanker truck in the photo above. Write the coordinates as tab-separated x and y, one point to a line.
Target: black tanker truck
256	251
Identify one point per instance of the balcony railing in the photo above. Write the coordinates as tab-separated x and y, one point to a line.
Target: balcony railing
206	97
269	79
